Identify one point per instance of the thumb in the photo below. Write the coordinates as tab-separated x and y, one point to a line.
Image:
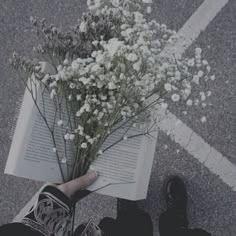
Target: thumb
77	184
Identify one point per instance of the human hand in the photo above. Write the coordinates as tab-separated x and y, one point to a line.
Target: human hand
75	189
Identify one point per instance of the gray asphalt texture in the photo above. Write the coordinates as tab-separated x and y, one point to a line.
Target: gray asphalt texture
212	204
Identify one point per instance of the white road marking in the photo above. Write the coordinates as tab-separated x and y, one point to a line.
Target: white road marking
196	24
215	161
199	149
187	138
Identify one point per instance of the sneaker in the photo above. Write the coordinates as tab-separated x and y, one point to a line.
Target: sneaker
176	194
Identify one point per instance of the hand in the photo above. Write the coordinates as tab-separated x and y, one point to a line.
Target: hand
75	189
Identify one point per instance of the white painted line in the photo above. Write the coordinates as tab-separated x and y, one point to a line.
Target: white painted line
199	149
195	25
183	135
200	19
187	138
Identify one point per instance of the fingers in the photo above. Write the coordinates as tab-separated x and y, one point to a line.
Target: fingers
80	183
84	181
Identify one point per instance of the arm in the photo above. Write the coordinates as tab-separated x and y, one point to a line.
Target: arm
52	210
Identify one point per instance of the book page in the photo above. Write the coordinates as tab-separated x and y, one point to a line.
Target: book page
120	167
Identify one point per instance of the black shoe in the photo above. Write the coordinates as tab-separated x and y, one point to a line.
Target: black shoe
176	194
125	205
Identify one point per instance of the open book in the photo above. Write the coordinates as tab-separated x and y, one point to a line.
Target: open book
124	170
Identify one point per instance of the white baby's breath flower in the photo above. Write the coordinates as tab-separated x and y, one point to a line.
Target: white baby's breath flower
95	42
91	140
70	97
80	128
60	123
72	137
66	62
198	50
135	105
196	79
177	75
200	73
175	97
137	66
125	137
213	77
115	3
191	62
95	112
132	57
209	93
74	65
189	102
84	80
208	68
149	9
86	107
203	96
53	93
96	68
79	97
163	27
196	102
63	160
100	152
103	97
113	46
99	84
72	85
94	54
53	84
83	27
138	17
67	136
164	105
54	149
203	119
84	145
100	115
168	87
45	78
186	92
78	114
111	85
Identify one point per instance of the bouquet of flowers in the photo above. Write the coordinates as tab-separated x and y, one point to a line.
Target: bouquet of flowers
106	74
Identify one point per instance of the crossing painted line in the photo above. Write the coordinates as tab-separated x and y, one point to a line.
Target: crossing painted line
218	164
199	149
182	134
196	24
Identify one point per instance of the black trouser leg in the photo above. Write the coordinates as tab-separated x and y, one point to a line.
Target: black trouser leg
173	223
128	223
